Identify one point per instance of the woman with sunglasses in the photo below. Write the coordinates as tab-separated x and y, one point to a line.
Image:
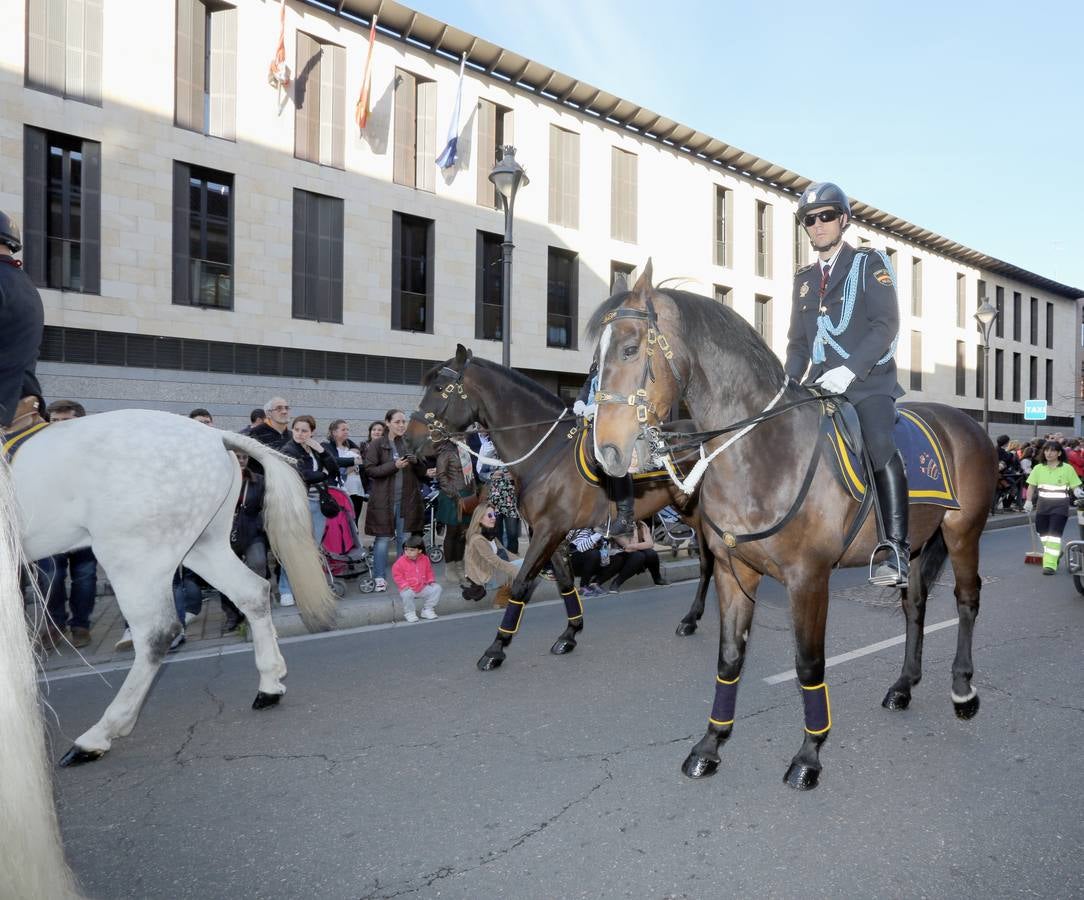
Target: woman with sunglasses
485	557
844	324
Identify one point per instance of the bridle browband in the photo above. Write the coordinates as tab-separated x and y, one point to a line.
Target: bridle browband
655	339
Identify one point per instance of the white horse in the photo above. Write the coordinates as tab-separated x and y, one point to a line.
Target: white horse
31	858
148	491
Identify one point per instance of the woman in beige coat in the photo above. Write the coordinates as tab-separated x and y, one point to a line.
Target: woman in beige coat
485	558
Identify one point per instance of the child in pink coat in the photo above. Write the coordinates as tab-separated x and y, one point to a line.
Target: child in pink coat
413	574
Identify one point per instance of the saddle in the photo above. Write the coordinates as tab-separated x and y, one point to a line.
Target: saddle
928	480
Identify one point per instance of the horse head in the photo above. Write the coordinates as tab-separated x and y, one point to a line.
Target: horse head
445	407
638	374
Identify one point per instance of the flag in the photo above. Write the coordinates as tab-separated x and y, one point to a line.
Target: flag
361	111
278	75
447	157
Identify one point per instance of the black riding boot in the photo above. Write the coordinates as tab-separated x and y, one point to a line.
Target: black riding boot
891	484
623	496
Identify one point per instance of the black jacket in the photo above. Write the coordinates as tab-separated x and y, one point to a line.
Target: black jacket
312	468
248	516
874	323
22	322
267	435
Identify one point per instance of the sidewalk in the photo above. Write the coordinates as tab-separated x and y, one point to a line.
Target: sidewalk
354	610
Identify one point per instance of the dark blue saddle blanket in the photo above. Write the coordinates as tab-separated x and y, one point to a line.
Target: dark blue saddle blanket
928	479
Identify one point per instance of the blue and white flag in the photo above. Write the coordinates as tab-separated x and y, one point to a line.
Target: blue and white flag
448	155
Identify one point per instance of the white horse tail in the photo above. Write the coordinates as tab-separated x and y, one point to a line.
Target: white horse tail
31	856
289	526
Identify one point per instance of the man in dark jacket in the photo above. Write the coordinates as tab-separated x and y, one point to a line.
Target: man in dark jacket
845	321
22	322
274	431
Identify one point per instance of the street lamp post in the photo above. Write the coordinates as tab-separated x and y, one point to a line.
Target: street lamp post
508	177
986	315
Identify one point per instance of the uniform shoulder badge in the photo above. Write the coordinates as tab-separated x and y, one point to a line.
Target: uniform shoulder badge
804	289
802	269
883	276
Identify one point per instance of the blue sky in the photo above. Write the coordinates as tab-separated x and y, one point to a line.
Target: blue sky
962	117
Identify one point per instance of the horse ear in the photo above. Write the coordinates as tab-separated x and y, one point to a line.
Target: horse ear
462	354
643	283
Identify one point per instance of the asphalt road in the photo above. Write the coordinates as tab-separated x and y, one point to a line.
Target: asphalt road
393	768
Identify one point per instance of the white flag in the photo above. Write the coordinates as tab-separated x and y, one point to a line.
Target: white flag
448	155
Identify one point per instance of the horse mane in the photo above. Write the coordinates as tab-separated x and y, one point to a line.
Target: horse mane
517	378
708	326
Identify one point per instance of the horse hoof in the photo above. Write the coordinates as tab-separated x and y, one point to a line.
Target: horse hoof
967	709
896	700
487	662
562	646
77	756
699	766
684	629
802	777
264	700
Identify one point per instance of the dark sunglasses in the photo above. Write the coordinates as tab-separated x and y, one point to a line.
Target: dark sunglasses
827	215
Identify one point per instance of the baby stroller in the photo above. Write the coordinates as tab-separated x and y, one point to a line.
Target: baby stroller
670	530
344	556
433	532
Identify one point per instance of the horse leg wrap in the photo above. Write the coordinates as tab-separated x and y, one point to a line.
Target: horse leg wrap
513	613
573	605
818	711
726	698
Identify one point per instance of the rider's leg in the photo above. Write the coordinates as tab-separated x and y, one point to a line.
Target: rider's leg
623	495
877	416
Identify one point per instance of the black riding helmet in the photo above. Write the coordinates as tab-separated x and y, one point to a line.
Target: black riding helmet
823	193
9	233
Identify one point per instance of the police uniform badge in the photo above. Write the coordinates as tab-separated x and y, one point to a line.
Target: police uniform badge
804	289
883	276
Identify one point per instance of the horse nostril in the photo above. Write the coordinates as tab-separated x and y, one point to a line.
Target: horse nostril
611	456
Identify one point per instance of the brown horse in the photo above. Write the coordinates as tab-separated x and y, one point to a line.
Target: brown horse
525	421
791	521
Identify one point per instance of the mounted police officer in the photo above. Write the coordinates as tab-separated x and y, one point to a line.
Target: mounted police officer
845	321
22	321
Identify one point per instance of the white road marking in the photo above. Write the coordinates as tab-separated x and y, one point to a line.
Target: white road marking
861	651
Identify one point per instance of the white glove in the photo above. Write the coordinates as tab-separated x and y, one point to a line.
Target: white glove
586	410
1078	493
836	380
1028	506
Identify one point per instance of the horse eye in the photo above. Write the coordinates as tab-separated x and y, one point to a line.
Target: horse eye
630	351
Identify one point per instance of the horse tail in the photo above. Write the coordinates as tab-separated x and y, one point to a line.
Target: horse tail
30	851
932	559
289	526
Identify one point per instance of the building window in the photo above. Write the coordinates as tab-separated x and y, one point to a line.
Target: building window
1033	378
488	307
494	131
801	242
916	286
62	212
318	257
1034	322
203	207
624	272
320	102
980	298
999	305
961	301
999	374
724	217
415	155
1016	377
412	273
561	306
64	48
961	369
1049	326
762	317
1017	315
205	93
564	196
891	254
764	240
916	360
1050	381
623	203
724	295
980	374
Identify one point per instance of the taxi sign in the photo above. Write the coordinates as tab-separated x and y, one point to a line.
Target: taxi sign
1034	410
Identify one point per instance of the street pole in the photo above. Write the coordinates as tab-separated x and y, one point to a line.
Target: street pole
506	286
986	383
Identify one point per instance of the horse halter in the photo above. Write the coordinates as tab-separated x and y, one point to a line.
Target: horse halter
438	431
655	339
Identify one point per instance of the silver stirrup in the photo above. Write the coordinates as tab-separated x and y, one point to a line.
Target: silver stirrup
884	575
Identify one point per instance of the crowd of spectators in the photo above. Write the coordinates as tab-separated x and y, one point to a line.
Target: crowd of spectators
1016	458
